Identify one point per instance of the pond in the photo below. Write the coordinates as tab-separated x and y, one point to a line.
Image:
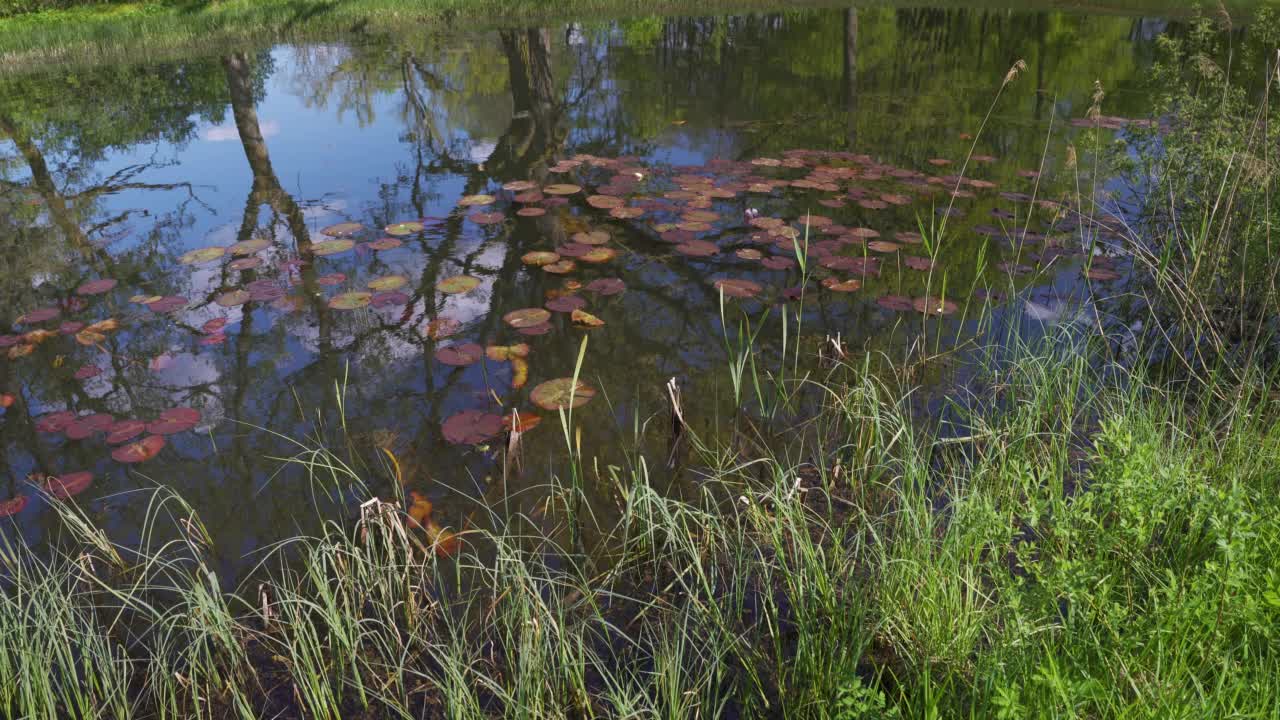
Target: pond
213	263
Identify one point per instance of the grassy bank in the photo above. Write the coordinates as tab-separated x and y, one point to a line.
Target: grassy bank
1097	547
134	31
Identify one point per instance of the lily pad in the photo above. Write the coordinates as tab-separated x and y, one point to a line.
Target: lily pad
594	237
350	300
533	330
918	263
13	506
234	298
408	227
606	286
598	255
388	282
526	317
124	431
64	486
697	248
55	422
566	304
441	327
778	263
202	255
562	394
461	354
562	189
471	427
386	243
458	284
883	246
167	304
562	267
486	218
896	303
738	288
582	318
604	202
342	229
96	287
140	451
249	247
331	247
538	258
38	316
519	186
389	299
248	263
934	306
838	285
531	212
476	200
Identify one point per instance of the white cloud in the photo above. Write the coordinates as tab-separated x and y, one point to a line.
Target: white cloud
225	133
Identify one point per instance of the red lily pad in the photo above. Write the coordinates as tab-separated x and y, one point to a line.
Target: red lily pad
167	304
88	371
471	427
389	299
896	303
738	288
13	506
918	263
38	316
234	298
64	486
566	304
531	212
96	287
386	243
606	286
838	285
934	306
460	355
441	328
486	218
124	431
778	263
697	248
55	422
140	451
533	330
561	394
331	280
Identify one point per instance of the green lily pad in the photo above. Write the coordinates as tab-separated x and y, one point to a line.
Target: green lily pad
562	394
350	300
458	284
400	229
202	255
234	298
389	282
331	247
343	229
249	247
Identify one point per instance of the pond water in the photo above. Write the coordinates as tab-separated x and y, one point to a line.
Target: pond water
206	259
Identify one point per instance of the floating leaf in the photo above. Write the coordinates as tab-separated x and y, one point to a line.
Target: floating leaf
521	422
441	328
400	229
331	280
539	258
64	486
594	237
342	229
838	285
531	212
563	267
918	263
566	303
476	200
504	353
386	243
389	299
519	372
87	371
140	451
562	189
174	420
604	202
778	263
582	318
471	427
202	255
458	284
934	306
350	300
249	247
167	304
749	254
519	186
526	317
486	218
248	263
896	303
883	246
38	316
738	288
606	286
84	337
7	400
13	506
561	394
388	282
331	247
96	287
460	355
539	329
233	298
124	431
598	255
697	248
